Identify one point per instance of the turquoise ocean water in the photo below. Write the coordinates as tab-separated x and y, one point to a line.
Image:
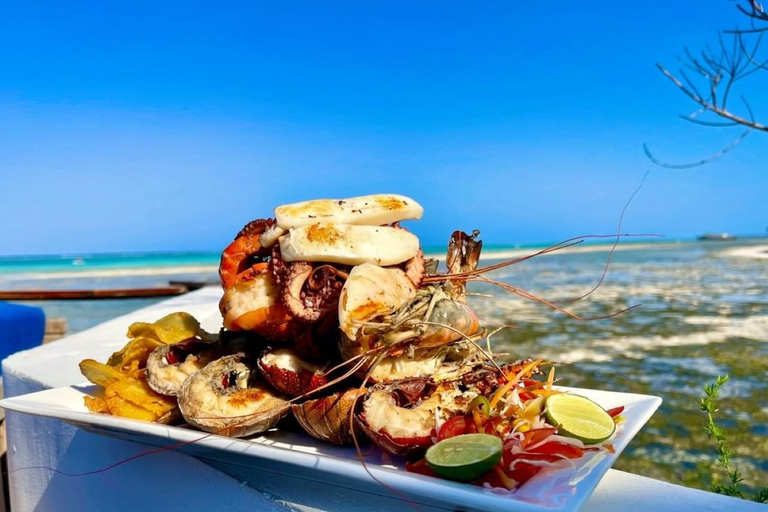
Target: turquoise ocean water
703	313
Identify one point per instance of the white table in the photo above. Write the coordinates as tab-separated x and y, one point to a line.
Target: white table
169	481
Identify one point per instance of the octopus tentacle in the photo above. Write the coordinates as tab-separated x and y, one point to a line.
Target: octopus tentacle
255	227
291	296
278	267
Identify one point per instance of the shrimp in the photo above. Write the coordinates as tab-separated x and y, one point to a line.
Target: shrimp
402	417
288	373
441	363
430	318
327	418
463	256
254	305
247	256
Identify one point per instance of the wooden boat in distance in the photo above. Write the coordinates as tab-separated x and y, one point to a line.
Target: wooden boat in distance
124	293
722	237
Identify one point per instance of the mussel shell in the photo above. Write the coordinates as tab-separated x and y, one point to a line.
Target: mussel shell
328	418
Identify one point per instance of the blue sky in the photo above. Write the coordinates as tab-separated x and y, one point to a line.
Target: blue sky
134	126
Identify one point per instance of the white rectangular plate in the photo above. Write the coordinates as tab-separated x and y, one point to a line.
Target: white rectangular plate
300	456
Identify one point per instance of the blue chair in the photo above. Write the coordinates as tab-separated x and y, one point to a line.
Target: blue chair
21	328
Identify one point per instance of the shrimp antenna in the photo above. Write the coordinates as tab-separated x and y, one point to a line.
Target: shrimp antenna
613	247
141	455
528	295
360	456
488	356
564	244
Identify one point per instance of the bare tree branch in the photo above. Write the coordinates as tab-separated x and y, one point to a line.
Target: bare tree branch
757	12
711	103
704	161
718	72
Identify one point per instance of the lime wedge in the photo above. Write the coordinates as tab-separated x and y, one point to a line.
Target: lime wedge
579	417
465	457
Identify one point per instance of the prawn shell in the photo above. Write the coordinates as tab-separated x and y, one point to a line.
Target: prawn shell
409	447
273	322
456	314
254	305
408	391
327	418
237	412
369	292
295	378
236	263
167	378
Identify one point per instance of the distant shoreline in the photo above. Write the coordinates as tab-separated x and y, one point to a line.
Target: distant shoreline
154	269
755	252
503	254
174	264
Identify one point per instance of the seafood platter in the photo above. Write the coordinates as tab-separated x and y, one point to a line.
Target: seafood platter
338	331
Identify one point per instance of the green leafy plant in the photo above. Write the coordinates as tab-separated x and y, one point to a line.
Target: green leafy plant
733	487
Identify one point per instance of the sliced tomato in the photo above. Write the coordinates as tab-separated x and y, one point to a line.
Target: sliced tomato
536	436
523	472
615	411
421	468
564	450
456	426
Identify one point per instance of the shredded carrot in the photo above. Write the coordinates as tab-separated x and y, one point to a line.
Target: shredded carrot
478	420
509	483
610	448
546	389
499	394
550	379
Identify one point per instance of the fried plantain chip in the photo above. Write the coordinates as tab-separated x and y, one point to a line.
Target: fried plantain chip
125	395
132	398
123	378
100	373
136	350
96	404
116	406
170	329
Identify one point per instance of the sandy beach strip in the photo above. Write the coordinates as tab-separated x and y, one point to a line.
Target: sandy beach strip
516	253
488	255
755	252
120	272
